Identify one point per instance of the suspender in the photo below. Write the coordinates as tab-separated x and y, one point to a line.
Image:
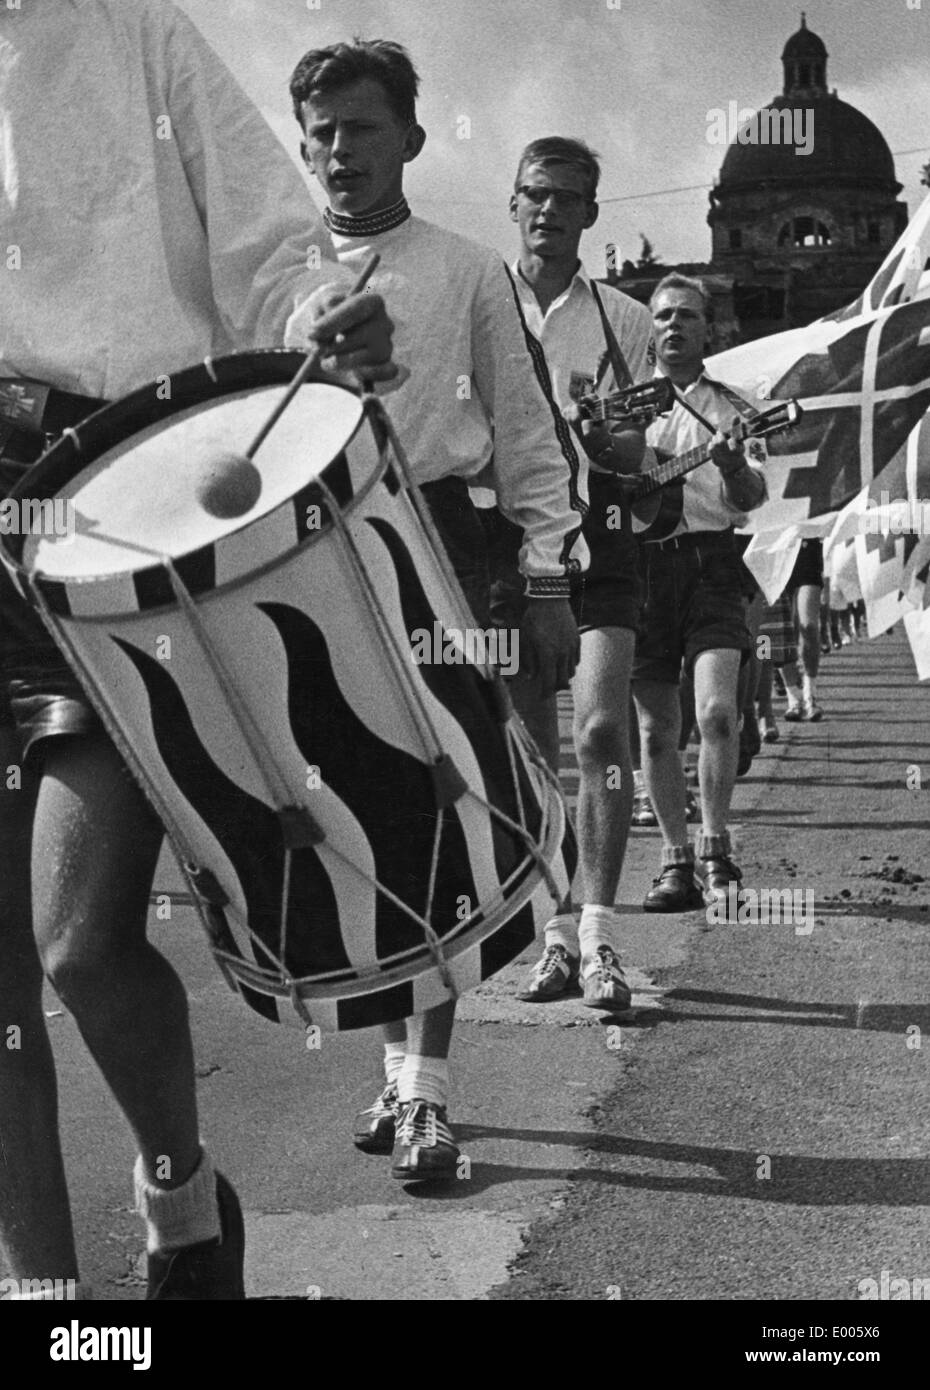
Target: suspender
614	354
563	433
742	408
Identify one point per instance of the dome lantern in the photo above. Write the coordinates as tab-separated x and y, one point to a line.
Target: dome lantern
805	64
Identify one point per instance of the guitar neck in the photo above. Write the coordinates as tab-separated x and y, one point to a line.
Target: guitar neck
671	469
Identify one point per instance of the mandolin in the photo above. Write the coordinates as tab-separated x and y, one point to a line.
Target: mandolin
634	405
657	500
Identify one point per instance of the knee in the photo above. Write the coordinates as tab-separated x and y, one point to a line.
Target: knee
73	965
717	721
658	739
600	740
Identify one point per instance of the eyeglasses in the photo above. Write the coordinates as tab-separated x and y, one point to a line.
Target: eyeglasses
566	198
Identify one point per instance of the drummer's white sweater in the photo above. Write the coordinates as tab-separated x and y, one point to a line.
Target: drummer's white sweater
474	391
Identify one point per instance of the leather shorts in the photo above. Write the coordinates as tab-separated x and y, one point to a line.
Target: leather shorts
40	697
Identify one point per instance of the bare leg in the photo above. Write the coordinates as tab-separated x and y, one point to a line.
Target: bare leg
636	755
601	689
750	671
790	674
35	1219
95	848
825	615
430	1034
716	677
764	693
809	628
686	697
540	714
659	708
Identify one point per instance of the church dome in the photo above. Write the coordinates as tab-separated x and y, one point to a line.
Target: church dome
844	146
807	135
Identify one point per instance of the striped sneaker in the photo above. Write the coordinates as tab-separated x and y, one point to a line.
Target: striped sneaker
605	985
643	814
555	974
374	1127
423	1146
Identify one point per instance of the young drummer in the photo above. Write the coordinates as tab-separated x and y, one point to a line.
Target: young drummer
456	319
140	256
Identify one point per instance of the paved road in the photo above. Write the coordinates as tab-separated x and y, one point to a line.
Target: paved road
757	1130
769	1140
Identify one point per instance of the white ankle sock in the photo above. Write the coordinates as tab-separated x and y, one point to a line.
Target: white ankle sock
394	1054
424	1078
793	693
599	927
639	781
563	931
810	687
182	1215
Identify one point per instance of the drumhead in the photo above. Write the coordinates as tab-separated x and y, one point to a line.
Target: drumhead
137	502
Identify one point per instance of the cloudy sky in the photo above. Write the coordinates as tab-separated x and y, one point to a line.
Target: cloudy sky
635	78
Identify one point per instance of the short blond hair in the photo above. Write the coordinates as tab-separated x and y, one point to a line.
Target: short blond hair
676	281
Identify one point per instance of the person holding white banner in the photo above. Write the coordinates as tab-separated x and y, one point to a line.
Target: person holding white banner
159	222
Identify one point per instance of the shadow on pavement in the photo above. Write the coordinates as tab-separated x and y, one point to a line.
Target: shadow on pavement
796	1180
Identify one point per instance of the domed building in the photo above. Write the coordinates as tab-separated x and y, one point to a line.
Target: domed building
803	213
805	208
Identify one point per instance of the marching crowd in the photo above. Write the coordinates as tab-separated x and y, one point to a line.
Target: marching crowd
653	621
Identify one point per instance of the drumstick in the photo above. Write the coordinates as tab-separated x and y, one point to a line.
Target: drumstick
309	364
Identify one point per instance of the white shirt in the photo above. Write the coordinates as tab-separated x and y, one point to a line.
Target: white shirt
572	334
472	391
706	506
119	280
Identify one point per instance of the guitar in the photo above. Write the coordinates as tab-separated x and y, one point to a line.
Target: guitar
634	405
656	503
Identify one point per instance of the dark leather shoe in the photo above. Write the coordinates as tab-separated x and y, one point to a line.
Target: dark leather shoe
718	874
211	1270
674	890
750	733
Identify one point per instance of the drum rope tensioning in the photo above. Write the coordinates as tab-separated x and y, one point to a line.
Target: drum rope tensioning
291	650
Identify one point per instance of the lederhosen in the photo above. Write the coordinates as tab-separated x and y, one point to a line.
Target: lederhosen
39	695
694	586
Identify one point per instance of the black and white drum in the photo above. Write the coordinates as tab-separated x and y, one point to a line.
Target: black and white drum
367	834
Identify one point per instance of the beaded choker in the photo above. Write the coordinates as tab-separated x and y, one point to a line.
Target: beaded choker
384	221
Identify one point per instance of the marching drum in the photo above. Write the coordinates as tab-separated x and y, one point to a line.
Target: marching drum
366	833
